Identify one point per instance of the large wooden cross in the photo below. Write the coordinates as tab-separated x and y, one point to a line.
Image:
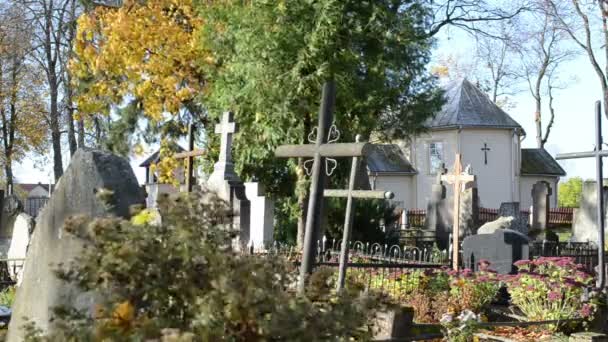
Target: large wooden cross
319	151
189	156
350	194
457	179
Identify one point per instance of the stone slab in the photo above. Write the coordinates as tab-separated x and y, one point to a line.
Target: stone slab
501	249
75	193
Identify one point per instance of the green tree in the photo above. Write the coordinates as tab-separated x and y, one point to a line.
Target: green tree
569	193
271	59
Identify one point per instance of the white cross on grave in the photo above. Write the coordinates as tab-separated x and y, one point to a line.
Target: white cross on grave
457	179
224	168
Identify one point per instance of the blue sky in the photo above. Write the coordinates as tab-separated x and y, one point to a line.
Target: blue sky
573	130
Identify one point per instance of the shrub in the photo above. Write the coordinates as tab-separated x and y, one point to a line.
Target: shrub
182	278
7	296
472	290
551	288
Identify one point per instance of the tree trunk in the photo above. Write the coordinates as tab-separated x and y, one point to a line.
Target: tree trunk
55	131
538	122
303	196
80	133
70	117
8	170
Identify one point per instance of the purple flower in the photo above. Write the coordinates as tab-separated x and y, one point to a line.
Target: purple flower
553	296
586	310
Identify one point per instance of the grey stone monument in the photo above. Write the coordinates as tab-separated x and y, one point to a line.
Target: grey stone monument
436	214
226	183
75	194
584	227
519	222
262	216
501	249
469	212
540	204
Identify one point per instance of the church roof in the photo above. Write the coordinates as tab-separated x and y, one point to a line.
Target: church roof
537	161
388	158
155	157
467	106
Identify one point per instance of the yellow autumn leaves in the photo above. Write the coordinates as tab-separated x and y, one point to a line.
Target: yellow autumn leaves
144	50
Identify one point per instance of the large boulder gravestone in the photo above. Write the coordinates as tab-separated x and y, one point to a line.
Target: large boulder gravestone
585	227
75	194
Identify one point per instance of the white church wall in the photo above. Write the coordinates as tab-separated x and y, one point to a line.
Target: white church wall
496	178
525	185
38	191
401	185
420	149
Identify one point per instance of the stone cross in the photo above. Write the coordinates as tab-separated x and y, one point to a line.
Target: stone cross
485	150
189	156
597	153
350	195
318	151
540	205
457	179
226	128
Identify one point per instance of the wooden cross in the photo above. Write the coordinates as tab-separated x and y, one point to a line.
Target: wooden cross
318	151
485	150
457	179
350	195
598	154
189	156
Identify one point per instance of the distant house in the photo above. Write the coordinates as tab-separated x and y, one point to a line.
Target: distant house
33	195
153	188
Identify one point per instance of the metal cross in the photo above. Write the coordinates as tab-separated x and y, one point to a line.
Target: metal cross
485	150
457	179
350	195
318	151
597	153
189	156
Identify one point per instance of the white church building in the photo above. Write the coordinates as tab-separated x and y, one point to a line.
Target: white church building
488	139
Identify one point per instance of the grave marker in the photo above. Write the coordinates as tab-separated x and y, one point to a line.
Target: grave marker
350	195
540	205
321	149
457	179
598	154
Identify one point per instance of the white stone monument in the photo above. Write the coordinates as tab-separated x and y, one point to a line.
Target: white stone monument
262	216
24	224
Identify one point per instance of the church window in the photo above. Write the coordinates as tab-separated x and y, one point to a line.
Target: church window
435	156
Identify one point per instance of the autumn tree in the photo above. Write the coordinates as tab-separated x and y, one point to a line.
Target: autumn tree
271	61
22	107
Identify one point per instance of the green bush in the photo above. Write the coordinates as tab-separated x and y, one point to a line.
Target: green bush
7	296
183	279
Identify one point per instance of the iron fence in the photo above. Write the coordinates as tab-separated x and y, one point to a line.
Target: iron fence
584	253
9	270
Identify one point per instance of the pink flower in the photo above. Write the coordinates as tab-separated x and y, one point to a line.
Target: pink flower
553	296
586	310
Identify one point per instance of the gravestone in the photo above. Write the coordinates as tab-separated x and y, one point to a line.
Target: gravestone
22	230
501	249
469	212
75	194
436	215
262	216
519	222
226	183
540	203
584	227
11	208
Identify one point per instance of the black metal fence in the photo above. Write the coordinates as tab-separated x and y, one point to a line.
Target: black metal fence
10	269
584	253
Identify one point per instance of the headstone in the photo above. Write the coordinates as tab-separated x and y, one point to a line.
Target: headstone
262	216
22	230
588	336
584	227
501	249
469	212
436	215
11	208
519	222
393	323
75	194
491	227
540	202
226	183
